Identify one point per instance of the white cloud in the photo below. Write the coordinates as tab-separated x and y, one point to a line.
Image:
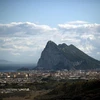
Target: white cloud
28	39
98	53
16	54
23	29
77	22
88	36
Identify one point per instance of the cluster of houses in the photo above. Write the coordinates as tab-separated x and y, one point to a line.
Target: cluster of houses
38	75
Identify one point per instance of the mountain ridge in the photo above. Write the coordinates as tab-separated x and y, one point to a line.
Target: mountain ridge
62	56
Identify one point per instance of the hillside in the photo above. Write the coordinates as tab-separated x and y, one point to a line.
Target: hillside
80	90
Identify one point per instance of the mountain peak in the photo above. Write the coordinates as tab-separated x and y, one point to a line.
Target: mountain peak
71	45
62	45
50	44
50	41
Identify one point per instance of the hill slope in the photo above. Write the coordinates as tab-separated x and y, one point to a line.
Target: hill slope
81	90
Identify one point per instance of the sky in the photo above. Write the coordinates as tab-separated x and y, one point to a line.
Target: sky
27	25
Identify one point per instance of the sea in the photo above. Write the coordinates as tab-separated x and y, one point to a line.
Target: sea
14	67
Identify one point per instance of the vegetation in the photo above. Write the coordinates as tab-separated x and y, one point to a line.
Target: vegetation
81	90
50	89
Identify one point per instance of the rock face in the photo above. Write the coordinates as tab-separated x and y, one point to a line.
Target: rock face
52	57
56	57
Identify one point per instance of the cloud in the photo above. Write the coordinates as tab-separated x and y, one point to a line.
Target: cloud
78	22
23	29
26	39
16	54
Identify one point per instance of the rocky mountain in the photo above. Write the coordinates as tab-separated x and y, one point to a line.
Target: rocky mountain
62	56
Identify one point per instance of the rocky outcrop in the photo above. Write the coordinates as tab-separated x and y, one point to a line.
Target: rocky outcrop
63	56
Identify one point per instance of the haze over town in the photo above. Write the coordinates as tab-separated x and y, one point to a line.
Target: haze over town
26	26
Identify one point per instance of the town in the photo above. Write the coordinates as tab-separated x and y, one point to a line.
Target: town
38	75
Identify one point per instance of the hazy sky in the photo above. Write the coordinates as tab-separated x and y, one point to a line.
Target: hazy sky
26	26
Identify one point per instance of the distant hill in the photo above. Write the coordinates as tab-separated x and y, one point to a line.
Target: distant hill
23	69
4	61
62	56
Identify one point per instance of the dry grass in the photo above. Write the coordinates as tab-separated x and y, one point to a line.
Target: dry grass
15	98
37	93
30	96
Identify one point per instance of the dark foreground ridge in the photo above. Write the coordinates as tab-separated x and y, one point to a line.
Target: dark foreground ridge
62	56
80	90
